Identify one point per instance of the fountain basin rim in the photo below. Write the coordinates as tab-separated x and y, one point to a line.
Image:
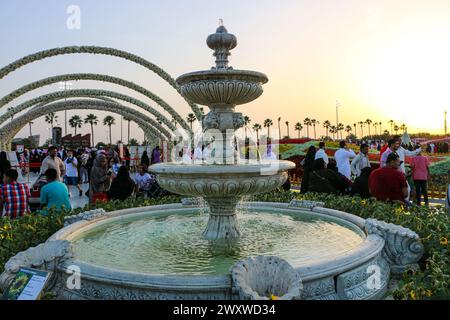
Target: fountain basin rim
371	247
211	169
222	75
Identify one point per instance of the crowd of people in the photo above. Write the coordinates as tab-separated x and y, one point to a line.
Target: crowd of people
351	173
107	173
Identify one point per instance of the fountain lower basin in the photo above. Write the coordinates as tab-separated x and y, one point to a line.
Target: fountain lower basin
324	275
222	187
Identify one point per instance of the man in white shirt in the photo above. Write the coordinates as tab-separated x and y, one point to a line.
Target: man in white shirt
52	161
343	157
395	146
361	161
143	180
71	178
321	154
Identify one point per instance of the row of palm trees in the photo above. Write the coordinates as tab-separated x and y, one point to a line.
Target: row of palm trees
334	130
76	122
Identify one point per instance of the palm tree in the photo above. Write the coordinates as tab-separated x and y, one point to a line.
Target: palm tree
354	126
257	127
313	123
391	122
298	127
287	126
92	120
339	128
76	122
267	124
396	128
403	127
348	129
191	118
333	130
326	124
128	130
109	121
386	133
361	124
380	124
307	123
368	122
247	121
50	118
375	125
279	128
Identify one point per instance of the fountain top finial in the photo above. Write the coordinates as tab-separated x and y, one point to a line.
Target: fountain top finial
221	42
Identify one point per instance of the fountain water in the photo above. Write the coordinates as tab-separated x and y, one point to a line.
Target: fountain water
223	183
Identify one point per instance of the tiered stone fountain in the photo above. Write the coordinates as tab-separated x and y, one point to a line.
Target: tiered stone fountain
297	250
223	183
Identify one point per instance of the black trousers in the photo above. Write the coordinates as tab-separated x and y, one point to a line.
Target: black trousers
421	189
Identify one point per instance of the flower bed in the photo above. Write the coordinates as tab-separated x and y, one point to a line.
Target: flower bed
432	281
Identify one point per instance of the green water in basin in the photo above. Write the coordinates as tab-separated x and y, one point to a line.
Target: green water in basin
172	244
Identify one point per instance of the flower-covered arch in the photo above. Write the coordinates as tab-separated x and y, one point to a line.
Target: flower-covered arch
96	50
8	131
97	77
45	99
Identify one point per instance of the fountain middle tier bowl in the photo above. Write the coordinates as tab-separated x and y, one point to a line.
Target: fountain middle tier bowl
215	181
222	87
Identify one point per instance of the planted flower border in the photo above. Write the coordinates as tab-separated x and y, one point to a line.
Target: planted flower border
432	281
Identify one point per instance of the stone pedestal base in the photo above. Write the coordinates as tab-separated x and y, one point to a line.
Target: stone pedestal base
222	223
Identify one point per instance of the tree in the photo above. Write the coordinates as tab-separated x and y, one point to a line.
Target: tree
51	118
375	125
298	128
247	121
313	123
287	127
391	122
109	121
386	133
279	128
307	123
368	122
190	119
348	129
403	127
76	122
128	130
267	124
396	128
133	142
361	124
333	130
380	124
339	128
326	124
92	120
354	126
257	127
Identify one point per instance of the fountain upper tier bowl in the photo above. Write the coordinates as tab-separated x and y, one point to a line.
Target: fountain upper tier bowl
218	87
211	180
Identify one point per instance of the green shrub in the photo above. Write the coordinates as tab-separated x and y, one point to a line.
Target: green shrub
432	281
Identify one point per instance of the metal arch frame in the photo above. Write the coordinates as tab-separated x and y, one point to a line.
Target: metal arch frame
96	77
41	55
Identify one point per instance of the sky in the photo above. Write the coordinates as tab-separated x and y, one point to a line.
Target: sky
381	59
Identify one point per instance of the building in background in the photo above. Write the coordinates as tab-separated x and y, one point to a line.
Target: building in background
75	142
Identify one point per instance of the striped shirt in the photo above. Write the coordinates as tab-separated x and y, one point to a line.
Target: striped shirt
15	199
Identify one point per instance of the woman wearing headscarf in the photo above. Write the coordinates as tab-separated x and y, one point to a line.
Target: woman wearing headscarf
5	165
122	186
307	164
100	180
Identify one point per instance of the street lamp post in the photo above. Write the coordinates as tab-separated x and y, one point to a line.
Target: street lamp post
64	86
